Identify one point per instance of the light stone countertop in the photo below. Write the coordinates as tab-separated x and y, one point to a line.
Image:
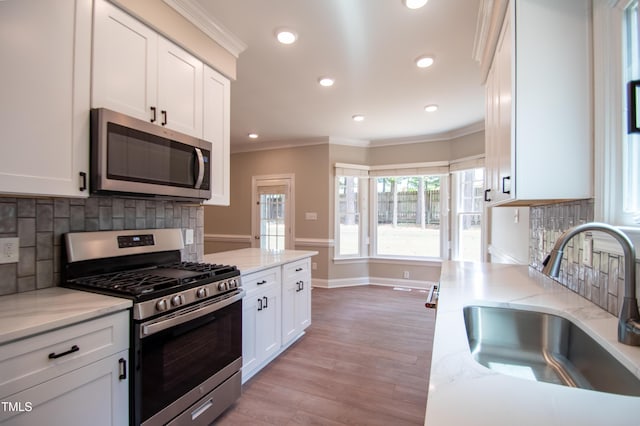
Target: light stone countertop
462	391
33	312
251	260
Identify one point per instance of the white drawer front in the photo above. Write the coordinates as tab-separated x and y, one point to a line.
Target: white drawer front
35	359
300	268
261	279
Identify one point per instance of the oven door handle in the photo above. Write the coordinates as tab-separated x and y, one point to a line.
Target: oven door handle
155	327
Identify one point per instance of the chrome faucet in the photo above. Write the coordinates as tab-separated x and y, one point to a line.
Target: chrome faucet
629	319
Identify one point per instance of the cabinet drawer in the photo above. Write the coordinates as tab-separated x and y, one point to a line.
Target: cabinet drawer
35	359
261	279
300	268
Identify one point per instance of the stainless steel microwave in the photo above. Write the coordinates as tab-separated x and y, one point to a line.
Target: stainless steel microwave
134	157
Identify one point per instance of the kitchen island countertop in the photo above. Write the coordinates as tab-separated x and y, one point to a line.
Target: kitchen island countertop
251	260
462	391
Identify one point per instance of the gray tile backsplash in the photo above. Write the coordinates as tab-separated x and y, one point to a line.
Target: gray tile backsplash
41	222
603	282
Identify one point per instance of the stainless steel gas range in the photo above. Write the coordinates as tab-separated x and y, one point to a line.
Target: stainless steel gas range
186	322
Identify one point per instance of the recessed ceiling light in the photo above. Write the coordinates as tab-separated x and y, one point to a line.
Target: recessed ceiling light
253	135
431	108
358	117
286	36
414	4
424	61
326	81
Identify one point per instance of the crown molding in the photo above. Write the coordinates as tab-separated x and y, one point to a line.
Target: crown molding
238	147
199	17
488	25
442	136
269	145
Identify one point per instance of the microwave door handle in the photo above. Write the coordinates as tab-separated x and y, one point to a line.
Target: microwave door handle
200	168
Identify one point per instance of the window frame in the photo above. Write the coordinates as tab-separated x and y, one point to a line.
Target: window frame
610	121
362	174
444	218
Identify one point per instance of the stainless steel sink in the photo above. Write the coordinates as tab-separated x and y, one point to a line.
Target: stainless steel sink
544	347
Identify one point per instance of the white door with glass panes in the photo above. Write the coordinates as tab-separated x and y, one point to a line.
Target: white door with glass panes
272	227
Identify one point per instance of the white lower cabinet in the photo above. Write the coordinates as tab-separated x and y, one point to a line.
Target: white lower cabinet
276	311
296	299
261	319
75	375
94	394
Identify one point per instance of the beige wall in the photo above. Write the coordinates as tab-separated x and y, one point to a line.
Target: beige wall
164	19
309	165
313	167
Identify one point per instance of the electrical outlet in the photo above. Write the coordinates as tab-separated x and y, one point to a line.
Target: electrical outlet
314	265
405	275
188	236
9	250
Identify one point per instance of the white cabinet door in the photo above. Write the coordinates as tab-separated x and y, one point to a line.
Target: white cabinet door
179	89
290	290
269	322
303	305
296	299
216	129
125	63
44	121
141	74
249	334
539	104
96	394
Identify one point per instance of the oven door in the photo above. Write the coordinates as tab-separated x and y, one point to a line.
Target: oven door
183	356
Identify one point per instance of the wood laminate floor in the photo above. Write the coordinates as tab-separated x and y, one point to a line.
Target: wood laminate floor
365	360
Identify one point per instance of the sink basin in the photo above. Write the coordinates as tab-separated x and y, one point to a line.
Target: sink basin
545	348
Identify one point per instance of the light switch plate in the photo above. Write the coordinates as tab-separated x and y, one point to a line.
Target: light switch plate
9	250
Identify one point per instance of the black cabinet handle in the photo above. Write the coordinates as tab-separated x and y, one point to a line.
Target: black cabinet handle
298	269
503	185
122	367
486	192
153	116
266	302
164	117
259	304
261	282
83	179
73	349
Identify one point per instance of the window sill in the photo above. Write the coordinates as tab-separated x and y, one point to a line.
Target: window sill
389	260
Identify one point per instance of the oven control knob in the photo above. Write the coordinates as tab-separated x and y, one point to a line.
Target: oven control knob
233	283
222	286
161	305
202	292
177	300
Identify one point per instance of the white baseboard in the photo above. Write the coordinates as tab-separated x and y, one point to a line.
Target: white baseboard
386	282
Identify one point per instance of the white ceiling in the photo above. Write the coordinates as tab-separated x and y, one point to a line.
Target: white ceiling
369	47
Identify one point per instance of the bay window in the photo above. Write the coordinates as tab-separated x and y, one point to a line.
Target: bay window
408	218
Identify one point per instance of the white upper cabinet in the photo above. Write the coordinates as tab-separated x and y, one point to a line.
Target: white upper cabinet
139	73
539	104
217	92
44	107
125	58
